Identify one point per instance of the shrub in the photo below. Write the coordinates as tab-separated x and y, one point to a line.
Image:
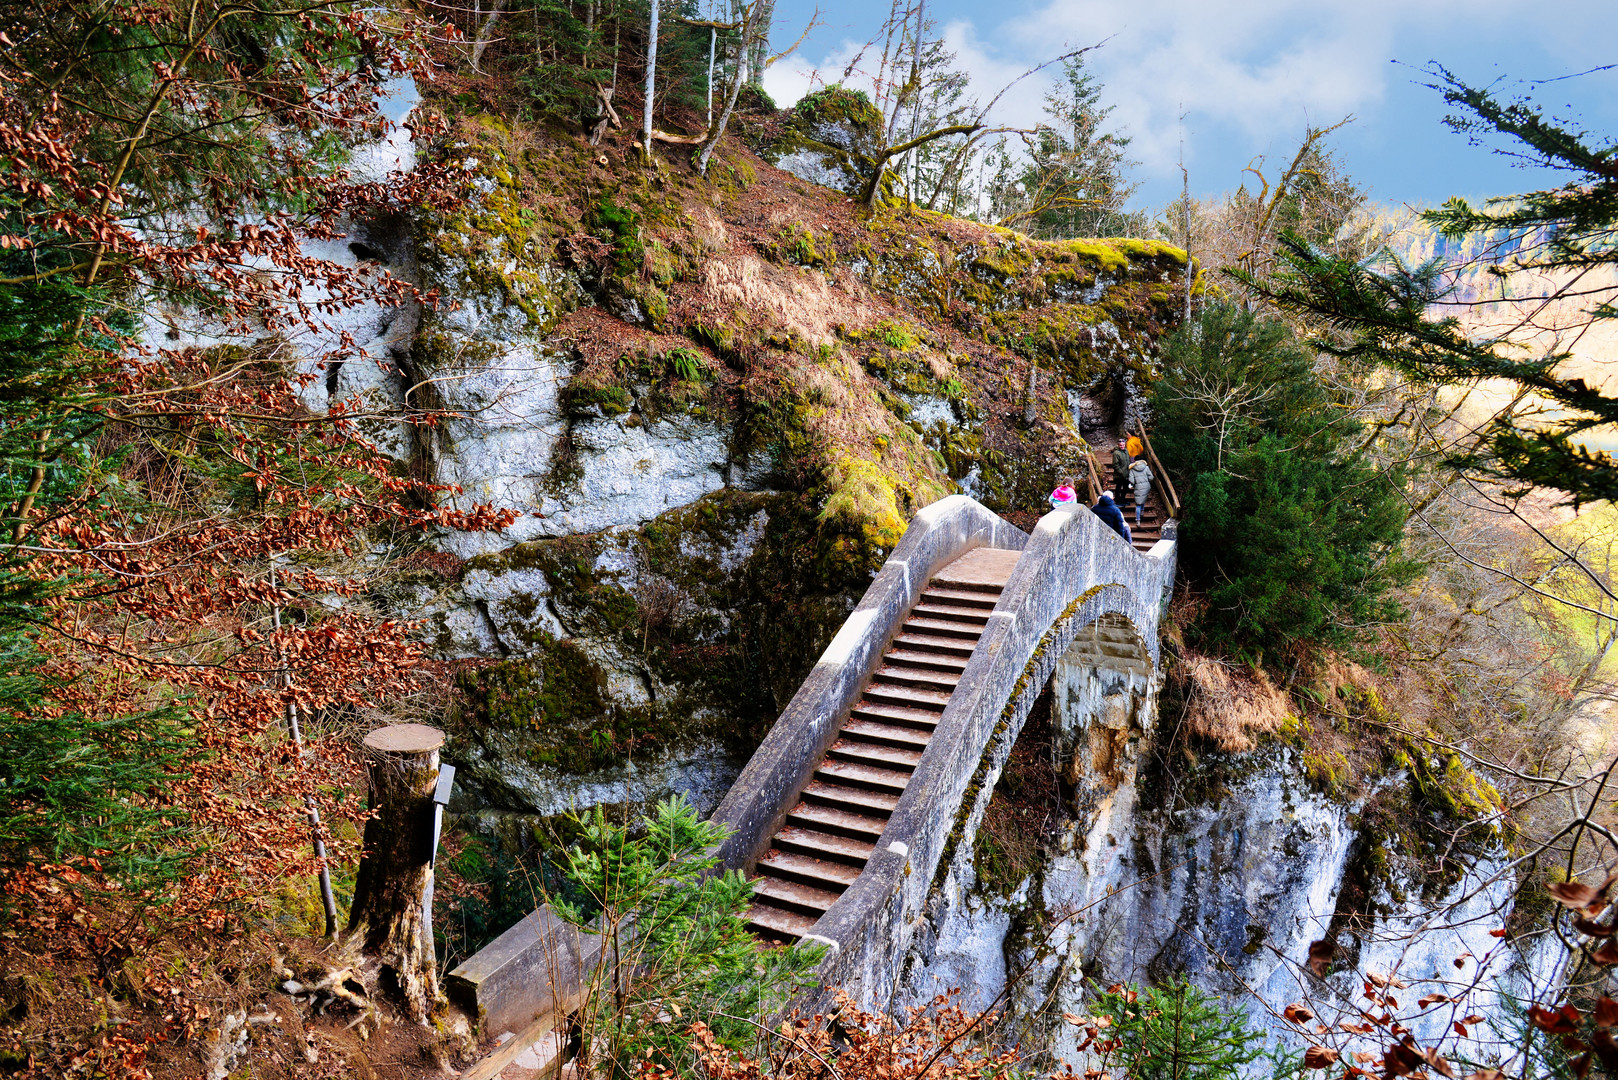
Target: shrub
1171	1032
680	944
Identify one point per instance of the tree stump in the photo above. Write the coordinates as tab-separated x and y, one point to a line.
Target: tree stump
395	869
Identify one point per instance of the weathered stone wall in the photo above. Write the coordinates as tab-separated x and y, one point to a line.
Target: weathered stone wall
1231	890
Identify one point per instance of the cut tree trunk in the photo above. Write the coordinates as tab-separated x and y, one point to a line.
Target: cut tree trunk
387	918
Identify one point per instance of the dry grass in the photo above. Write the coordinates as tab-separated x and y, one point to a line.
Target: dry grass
803	303
1228	705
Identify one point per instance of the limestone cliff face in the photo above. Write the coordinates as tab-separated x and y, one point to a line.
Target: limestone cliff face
1230	882
714	407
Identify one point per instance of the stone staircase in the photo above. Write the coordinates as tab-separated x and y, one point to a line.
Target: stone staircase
842	816
831	832
1152	517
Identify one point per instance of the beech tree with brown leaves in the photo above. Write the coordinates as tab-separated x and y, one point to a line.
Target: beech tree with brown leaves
193	554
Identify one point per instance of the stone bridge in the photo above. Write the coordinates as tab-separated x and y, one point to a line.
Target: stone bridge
884	760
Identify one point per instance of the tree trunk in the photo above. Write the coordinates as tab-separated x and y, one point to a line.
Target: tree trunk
713	38
759	52
1185	204
651	83
396	868
715	133
486	33
609	115
873	183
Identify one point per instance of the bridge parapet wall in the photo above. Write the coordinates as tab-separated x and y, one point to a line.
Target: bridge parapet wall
784	763
1073	572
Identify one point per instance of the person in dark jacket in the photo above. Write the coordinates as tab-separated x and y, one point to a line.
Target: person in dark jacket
1108	511
1120	467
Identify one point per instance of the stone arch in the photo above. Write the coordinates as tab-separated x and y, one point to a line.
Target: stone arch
1104	690
1113	642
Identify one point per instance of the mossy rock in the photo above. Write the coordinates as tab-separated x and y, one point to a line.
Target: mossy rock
796	243
832	138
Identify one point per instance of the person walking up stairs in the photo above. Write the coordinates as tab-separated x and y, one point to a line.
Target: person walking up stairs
1140	485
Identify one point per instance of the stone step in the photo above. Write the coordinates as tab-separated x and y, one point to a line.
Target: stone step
823	845
980	599
817	872
931	661
776	922
949	613
943	583
866	776
891	757
886	734
909	697
943	681
922	719
944	628
852	799
924	642
842	822
795	897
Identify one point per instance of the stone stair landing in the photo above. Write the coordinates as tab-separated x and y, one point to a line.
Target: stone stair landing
839	820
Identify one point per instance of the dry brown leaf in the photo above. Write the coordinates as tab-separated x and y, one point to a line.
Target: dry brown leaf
1319	1057
1572	894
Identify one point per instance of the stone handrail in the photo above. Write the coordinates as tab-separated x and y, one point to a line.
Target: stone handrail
538	969
785	762
1072	562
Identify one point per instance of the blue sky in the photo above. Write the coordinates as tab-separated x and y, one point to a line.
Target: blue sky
1250	75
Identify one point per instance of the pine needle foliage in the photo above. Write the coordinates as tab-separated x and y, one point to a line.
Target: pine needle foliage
1176	1032
1559	244
677	946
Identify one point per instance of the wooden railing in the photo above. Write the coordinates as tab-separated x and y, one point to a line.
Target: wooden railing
1165	485
1093	476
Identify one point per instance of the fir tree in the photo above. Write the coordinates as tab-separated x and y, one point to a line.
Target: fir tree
1291	531
1074	179
1175	1032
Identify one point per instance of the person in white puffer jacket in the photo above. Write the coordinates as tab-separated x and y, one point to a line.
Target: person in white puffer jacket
1140	484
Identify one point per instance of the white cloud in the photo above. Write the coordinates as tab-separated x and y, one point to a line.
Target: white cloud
1248	75
1263	68
853	63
